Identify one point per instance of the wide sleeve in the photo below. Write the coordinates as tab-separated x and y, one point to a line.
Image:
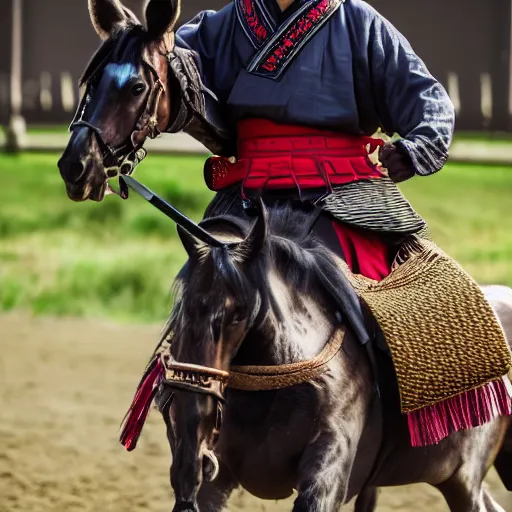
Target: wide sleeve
201	36
409	100
200	113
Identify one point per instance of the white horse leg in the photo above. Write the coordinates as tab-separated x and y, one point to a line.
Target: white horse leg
464	490
490	504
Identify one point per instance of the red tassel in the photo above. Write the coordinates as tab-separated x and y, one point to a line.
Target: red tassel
432	424
135	418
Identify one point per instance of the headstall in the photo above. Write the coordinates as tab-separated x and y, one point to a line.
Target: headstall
122	160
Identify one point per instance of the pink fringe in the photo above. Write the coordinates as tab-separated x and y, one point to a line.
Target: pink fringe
432	424
135	418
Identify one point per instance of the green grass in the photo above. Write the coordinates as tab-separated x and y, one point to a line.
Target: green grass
484	137
117	259
113	259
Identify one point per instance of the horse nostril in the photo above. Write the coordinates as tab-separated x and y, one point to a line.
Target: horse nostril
71	171
76	169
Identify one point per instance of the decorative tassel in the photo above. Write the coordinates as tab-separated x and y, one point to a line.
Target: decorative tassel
135	418
432	424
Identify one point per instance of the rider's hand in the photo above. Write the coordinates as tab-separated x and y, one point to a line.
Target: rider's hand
397	162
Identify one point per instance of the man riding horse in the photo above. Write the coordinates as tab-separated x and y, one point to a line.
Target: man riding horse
304	84
287	95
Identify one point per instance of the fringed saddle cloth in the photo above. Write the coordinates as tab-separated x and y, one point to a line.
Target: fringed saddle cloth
446	342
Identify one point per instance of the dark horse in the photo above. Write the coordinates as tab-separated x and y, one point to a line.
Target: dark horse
271	300
271	297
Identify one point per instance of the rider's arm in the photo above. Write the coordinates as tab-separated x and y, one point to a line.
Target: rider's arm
409	100
197	109
200	36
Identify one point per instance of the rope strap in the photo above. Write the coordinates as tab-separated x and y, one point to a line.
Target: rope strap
265	378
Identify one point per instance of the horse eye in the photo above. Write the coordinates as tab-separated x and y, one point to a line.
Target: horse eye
237	318
138	89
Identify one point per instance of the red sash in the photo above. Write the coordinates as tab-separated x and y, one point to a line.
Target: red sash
274	156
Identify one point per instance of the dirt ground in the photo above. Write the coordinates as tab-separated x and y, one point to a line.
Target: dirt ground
64	387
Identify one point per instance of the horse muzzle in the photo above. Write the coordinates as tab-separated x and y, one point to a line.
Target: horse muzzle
185	506
81	167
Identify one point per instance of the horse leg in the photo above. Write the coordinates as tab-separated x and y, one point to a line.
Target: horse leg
367	500
324	472
490	504
214	494
462	499
464	490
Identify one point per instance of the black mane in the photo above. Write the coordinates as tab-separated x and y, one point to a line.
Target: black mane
303	261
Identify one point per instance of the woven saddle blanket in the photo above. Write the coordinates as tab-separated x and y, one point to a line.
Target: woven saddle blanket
448	348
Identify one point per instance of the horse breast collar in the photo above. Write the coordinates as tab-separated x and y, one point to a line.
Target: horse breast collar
278	46
164	370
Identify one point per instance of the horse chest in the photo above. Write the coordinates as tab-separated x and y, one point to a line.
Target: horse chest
263	438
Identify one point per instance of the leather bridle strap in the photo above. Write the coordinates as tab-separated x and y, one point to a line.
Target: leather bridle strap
210	381
127	156
195	378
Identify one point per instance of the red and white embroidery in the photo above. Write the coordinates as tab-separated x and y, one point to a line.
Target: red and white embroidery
278	48
253	21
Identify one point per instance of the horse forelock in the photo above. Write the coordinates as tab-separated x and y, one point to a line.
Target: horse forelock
204	290
127	43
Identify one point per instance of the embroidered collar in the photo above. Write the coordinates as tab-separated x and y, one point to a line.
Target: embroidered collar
278	44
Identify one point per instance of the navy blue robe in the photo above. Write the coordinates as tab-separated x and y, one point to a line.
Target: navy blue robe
356	74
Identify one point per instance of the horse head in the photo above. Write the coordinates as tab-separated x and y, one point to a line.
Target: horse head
126	96
218	304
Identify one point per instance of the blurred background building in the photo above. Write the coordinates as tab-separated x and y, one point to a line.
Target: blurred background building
465	43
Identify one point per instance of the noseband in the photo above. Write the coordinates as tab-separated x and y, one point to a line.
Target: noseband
195	378
123	159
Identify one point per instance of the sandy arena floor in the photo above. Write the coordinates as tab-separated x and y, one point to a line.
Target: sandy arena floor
65	386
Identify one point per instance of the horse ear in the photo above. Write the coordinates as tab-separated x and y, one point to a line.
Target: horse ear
161	17
257	238
192	245
106	15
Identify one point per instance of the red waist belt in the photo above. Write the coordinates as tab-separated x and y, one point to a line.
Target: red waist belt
273	156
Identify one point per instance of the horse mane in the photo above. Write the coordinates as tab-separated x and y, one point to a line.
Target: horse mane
306	265
303	262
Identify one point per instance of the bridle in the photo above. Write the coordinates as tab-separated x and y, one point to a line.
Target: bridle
213	382
197	379
123	159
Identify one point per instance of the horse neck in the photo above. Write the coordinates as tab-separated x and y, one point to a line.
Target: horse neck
296	328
